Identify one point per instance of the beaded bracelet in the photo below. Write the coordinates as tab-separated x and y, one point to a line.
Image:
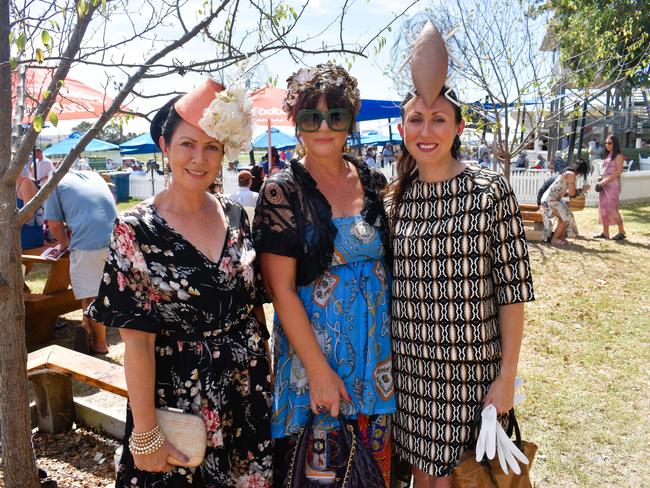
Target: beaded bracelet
146	442
146	436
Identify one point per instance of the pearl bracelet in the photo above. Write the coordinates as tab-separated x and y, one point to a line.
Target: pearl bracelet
146	442
146	436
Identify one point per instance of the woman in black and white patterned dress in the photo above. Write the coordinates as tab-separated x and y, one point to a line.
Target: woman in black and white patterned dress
461	275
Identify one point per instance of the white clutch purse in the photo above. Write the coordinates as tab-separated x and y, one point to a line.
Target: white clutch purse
186	432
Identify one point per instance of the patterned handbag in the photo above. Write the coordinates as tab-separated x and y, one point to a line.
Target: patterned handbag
488	473
359	470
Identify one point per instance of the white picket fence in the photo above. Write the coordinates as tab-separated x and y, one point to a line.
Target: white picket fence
635	185
142	187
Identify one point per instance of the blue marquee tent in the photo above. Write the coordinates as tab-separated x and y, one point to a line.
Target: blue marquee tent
279	140
378	109
66	145
142	144
373	138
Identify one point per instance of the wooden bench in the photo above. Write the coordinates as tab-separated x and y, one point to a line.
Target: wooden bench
51	371
42	309
533	222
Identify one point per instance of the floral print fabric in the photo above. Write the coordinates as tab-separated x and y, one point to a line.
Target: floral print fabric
210	354
553	200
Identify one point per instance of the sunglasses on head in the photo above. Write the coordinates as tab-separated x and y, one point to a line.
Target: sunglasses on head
310	120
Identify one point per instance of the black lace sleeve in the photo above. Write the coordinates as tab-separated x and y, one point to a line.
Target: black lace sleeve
293	219
275	229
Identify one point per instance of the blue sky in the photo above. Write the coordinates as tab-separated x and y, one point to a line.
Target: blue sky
364	18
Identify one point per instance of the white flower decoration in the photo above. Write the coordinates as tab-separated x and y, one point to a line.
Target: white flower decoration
229	119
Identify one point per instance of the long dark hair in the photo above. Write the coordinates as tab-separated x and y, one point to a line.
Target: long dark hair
581	168
406	166
616	146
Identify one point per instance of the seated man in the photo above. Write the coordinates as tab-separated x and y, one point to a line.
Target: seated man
558	165
522	161
83	201
243	195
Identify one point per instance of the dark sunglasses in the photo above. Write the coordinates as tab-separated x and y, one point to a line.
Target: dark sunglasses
310	120
608	142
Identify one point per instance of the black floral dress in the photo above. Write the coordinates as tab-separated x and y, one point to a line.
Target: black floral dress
210	355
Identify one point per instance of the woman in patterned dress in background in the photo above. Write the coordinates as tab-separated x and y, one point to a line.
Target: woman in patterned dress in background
179	282
460	277
321	233
553	203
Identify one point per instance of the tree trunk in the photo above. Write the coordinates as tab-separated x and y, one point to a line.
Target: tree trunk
19	465
506	165
17	455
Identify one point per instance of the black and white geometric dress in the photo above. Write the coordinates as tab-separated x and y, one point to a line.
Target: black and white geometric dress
459	253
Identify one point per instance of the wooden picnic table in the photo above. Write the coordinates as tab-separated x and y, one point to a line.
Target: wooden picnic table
42	309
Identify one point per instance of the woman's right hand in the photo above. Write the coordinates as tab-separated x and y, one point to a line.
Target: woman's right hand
156	462
326	389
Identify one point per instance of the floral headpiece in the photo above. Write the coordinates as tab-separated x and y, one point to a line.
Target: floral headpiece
229	119
320	78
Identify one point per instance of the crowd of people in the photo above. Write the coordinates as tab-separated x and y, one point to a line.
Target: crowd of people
399	306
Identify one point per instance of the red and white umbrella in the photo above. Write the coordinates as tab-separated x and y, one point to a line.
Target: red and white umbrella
75	100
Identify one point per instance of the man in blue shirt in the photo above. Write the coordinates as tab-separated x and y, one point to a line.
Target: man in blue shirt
558	165
83	201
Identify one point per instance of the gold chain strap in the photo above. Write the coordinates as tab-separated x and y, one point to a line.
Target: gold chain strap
353	449
293	458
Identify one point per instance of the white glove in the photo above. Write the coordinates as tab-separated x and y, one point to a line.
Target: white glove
492	439
508	451
486	442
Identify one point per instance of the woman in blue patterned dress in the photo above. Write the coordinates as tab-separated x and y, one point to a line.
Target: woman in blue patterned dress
320	230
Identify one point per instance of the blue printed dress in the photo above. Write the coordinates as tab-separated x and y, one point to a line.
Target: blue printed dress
348	310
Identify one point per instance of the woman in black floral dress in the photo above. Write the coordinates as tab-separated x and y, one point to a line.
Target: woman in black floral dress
179	282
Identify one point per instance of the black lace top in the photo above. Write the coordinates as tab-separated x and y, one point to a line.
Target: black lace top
294	219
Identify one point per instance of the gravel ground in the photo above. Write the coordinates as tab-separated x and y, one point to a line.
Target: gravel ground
77	459
82	458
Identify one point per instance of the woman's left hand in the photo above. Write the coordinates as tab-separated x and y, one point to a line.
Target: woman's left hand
501	394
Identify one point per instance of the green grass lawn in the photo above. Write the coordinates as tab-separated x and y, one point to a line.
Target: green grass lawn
586	357
121	207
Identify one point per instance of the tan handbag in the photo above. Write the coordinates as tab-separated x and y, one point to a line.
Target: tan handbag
186	432
488	474
577	203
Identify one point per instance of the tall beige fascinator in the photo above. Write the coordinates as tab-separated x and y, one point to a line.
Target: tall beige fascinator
429	61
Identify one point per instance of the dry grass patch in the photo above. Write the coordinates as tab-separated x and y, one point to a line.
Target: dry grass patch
586	358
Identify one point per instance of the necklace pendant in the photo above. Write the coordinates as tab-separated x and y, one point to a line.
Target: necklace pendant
363	231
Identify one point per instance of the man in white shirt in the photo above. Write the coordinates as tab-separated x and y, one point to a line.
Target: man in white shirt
44	168
244	195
